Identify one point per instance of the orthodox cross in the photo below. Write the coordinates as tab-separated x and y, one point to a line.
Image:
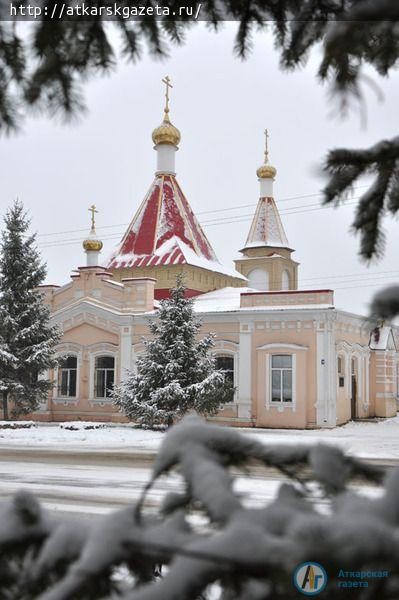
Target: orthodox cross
266	145
168	85
93	211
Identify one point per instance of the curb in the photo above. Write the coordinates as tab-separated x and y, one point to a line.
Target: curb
85	456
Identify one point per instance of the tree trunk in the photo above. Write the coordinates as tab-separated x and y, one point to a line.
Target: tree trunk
5	405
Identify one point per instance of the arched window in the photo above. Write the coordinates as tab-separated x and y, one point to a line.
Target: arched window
225	362
285	280
258	279
104	376
67	376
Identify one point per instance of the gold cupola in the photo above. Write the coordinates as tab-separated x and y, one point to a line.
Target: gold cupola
266	171
92	245
166	133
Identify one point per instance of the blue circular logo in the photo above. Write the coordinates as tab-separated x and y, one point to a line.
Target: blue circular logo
310	578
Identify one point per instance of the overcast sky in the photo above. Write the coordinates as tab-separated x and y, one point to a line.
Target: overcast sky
221	106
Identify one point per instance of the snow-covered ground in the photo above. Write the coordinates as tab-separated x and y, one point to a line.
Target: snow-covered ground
376	439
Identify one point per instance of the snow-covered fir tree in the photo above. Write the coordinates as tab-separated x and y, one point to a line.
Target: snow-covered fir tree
27	340
177	372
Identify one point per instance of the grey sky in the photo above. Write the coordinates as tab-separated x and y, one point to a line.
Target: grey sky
221	106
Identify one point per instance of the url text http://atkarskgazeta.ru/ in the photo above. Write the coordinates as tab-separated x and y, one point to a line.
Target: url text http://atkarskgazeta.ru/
108	10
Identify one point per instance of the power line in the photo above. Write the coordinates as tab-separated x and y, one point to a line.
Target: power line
228	209
211	223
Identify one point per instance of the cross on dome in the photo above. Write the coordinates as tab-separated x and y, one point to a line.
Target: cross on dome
166	133
266	146
266	171
166	81
93	210
92	243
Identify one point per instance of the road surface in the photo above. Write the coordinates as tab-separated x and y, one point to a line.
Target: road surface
98	482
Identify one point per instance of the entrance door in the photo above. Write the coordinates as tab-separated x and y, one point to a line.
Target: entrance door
353	388
353	397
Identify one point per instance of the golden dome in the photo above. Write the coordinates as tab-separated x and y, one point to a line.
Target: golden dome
92	245
166	133
266	171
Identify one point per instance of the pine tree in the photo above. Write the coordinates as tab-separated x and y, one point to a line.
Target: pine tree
27	340
177	372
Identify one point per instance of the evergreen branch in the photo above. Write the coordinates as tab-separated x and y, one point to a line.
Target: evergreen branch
345	166
385	304
48	70
250	552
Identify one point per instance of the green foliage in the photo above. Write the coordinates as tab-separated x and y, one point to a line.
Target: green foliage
27	340
177	372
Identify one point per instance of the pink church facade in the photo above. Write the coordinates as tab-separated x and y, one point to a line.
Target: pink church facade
295	359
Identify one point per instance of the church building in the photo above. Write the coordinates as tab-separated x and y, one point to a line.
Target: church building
296	361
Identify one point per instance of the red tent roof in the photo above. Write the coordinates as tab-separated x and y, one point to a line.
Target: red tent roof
165	231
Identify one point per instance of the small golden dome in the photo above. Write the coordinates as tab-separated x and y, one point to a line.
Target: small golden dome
266	171
166	133
92	245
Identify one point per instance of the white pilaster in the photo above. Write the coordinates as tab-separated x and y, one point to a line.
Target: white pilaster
125	351
43	403
326	404
367	371
166	158
244	371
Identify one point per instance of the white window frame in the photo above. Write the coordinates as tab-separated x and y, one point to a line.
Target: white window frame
63	350
104	349
103	398
228	353
281	348
60	369
281	402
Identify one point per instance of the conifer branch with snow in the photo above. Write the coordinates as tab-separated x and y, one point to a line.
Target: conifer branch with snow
249	552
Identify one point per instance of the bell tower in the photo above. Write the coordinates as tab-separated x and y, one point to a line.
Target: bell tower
266	260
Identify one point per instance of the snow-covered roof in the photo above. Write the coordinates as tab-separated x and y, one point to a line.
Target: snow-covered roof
382	339
165	231
252	258
225	299
229	299
266	228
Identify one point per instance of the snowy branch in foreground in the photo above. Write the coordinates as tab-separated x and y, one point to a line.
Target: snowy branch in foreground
385	303
249	552
345	166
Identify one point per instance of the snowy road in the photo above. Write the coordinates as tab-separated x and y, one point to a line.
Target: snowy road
67	486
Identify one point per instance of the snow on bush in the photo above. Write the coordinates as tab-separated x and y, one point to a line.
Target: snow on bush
17	424
250	553
81	425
